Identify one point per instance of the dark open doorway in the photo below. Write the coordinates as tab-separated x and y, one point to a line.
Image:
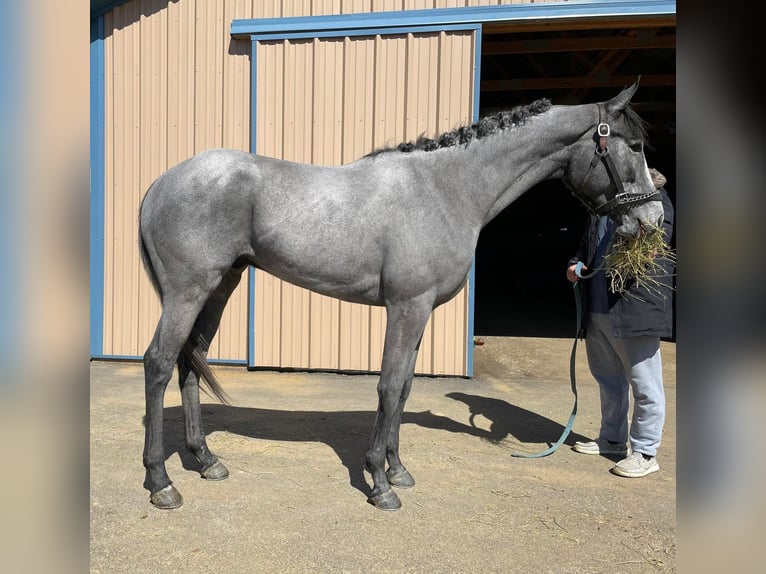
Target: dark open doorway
521	288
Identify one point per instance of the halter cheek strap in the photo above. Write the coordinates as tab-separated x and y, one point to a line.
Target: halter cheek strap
600	205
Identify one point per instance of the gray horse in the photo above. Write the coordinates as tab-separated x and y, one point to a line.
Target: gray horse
397	228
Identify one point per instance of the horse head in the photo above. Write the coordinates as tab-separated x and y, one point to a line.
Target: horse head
608	170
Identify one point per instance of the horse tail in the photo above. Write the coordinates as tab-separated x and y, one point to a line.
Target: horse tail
145	258
190	350
202	369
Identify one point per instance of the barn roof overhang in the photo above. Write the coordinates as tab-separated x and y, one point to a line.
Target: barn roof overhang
605	12
100	7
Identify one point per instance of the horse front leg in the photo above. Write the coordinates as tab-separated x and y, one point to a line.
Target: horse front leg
405	324
397	474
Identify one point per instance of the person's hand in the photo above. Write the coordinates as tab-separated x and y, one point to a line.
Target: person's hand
571	273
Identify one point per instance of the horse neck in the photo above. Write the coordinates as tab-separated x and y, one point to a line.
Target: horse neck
498	169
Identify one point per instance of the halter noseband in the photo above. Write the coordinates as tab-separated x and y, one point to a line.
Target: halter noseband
600	205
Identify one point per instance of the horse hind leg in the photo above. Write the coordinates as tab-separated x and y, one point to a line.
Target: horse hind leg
202	334
176	321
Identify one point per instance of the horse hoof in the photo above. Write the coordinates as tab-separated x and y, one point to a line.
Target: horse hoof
400	479
385	500
167	498
215	471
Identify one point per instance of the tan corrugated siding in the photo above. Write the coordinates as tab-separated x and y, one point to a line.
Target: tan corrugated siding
455	90
124	102
328	102
152	159
111	169
175	84
327	113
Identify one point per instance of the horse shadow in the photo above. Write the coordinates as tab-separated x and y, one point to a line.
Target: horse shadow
348	432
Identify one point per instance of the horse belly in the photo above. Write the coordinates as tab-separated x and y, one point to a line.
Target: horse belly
346	281
321	259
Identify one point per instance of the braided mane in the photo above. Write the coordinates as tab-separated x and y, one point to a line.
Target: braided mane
486	126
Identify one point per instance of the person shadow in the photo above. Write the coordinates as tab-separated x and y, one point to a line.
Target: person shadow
348	432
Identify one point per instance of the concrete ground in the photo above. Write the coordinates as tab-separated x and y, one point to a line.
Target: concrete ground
296	497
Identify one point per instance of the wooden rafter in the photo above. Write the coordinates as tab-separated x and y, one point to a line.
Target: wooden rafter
580	24
559	83
547	45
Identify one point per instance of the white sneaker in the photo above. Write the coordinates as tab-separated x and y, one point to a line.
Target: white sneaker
636	466
600	446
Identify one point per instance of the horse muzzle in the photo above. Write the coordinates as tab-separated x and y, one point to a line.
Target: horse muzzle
647	217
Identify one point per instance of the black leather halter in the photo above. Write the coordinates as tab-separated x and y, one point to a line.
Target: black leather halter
621	198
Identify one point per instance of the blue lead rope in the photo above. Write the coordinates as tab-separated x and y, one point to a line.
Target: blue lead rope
572	357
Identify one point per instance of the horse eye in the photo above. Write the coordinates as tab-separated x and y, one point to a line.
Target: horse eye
637	147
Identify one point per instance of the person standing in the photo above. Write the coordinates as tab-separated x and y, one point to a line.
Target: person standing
622	341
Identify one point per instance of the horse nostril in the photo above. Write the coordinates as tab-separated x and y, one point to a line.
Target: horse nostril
660	220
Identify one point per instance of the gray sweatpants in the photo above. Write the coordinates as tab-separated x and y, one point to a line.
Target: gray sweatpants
623	364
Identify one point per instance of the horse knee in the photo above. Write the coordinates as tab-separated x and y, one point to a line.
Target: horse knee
158	367
389	396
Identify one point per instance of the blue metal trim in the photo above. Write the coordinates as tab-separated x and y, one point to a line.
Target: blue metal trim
227	361
136	358
108	357
97	163
472	273
14	77
251	318
447	16
477	73
391	31
470	320
253	146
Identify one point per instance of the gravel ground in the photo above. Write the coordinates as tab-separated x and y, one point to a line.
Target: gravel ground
296	499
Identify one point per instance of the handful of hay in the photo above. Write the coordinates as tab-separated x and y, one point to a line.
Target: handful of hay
637	259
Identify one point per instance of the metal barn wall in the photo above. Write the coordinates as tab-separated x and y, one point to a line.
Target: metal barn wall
171	81
329	101
176	83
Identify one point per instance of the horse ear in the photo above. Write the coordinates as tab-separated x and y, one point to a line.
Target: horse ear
621	100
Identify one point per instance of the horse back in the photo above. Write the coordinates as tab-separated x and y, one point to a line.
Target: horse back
342	231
